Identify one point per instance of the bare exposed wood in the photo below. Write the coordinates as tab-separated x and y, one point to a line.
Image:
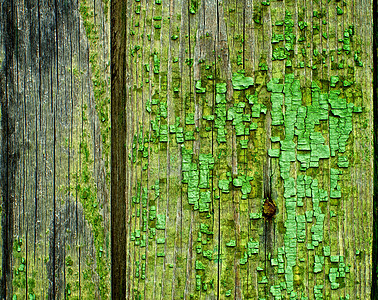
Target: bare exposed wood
55	202
119	147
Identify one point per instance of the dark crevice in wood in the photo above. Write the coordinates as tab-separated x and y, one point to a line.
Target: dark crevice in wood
9	154
118	146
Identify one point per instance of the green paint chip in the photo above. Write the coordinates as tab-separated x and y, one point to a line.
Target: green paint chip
152	212
264	280
160	222
342	162
255	216
240	82
189	119
246	188
199	265
221	88
189	136
252	247
274	86
204	202
334	258
205	229
237	182
156	62
243	260
223	185
279	53
357	109
246	117
244	144
274	152
199	89
274	262
231	243
275	290
208	117
208	254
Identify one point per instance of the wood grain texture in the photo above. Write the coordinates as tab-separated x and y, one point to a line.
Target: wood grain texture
197	149
118	153
206	148
55	97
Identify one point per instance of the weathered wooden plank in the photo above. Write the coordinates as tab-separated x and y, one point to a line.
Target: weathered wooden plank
175	114
19	210
163	39
282	193
8	164
57	233
142	124
205	70
147	70
302	249
172	191
120	146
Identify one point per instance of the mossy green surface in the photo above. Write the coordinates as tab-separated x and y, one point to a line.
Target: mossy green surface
100	77
85	188
87	193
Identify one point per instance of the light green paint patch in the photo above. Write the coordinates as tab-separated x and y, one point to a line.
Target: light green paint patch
231	243
199	89
300	120
160	221
241	82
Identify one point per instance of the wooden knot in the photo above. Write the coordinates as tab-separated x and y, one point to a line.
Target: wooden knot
269	209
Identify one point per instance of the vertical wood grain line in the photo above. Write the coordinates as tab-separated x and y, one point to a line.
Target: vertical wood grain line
118	146
6	149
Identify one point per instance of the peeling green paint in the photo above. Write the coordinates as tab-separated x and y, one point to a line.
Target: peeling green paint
303	118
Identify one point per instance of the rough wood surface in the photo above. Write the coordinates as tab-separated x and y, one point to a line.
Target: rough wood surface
248	149
55	100
242	149
118	153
